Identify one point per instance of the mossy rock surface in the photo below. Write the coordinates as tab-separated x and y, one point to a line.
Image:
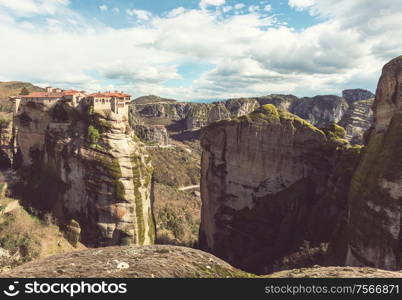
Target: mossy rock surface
73	232
374	200
156	261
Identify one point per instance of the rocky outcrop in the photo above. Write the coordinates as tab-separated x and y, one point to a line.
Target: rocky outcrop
231	108
354	95
171	111
129	262
269	181
197	116
7	142
162	261
283	102
88	166
371	235
357	120
154	134
335	272
320	110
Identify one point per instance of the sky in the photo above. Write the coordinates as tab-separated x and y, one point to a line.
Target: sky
200	49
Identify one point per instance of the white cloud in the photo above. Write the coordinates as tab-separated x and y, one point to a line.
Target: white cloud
246	54
177	11
206	3
33	7
139	13
239	6
301	4
103	7
116	9
268	7
253	8
226	9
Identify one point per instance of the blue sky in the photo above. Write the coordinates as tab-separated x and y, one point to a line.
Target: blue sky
107	11
193	49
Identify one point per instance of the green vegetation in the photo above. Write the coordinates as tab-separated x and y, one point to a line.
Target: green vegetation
170	220
176	167
336	134
214	270
267	113
98	124
16	234
5	120
93	135
151	226
177	216
63	112
24	91
72	232
381	163
139	171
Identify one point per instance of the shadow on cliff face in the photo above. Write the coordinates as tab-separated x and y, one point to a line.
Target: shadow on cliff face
5	161
187	136
177	126
258	238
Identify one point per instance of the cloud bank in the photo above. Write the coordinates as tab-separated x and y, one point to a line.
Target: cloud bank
247	53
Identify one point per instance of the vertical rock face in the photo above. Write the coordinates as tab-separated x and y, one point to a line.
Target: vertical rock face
231	108
172	111
87	166
320	110
262	179
283	102
372	233
197	116
354	95
7	143
357	119
154	134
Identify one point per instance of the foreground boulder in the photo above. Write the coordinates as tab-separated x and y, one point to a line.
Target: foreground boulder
129	262
269	182
372	233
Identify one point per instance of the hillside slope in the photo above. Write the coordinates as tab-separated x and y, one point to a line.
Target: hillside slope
11	88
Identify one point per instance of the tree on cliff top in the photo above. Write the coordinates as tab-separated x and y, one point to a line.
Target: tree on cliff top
24	91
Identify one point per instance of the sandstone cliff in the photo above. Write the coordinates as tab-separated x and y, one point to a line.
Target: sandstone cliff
357	120
320	110
354	95
89	166
269	181
372	233
152	134
7	141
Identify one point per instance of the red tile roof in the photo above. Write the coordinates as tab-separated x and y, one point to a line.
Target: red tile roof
70	92
73	92
109	94
51	95
43	95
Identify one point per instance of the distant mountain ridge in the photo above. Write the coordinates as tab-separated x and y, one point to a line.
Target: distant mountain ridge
151	99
